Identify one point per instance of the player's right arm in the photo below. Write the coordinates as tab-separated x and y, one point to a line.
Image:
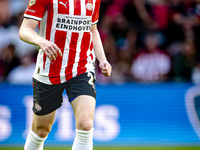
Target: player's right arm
27	34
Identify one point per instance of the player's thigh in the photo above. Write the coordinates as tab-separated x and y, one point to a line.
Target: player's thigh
44	122
84	108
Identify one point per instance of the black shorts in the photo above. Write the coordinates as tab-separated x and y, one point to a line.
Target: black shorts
47	98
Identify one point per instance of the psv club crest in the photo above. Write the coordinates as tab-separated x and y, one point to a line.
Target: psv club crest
32	2
38	107
192	103
89	6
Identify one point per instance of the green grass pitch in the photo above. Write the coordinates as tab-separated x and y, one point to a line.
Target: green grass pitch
112	148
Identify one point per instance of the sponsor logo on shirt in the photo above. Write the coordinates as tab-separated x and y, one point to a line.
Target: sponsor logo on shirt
32	2
76	24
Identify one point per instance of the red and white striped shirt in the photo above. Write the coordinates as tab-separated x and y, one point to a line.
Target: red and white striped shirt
66	23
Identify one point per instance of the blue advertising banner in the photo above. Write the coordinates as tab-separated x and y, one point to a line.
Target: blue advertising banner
129	114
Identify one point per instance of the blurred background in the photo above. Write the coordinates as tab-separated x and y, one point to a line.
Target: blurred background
153	94
144	40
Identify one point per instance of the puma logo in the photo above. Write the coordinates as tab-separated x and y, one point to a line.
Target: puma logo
60	2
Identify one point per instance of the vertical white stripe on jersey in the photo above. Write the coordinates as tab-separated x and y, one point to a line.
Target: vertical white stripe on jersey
65	57
67	44
94	2
77	57
83	8
78	47
71	8
40	60
53	30
42	32
48	61
89	60
43	24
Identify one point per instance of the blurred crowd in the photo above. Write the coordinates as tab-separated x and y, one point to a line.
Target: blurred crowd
17	58
151	40
145	41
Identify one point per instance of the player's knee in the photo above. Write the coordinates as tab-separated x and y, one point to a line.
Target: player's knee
85	125
42	131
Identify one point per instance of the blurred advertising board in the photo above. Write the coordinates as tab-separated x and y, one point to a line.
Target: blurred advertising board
128	114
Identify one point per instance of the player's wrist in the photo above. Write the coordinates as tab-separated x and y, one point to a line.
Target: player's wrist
102	60
41	42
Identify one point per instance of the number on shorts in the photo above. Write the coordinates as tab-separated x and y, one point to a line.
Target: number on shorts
91	81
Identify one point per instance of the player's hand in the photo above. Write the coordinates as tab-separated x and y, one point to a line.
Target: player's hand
50	49
106	68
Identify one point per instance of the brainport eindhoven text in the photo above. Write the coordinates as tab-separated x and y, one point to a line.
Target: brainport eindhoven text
79	24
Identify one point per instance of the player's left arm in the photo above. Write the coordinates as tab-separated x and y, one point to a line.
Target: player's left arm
104	65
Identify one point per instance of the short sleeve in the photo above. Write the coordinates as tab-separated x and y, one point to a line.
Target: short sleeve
36	9
95	16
